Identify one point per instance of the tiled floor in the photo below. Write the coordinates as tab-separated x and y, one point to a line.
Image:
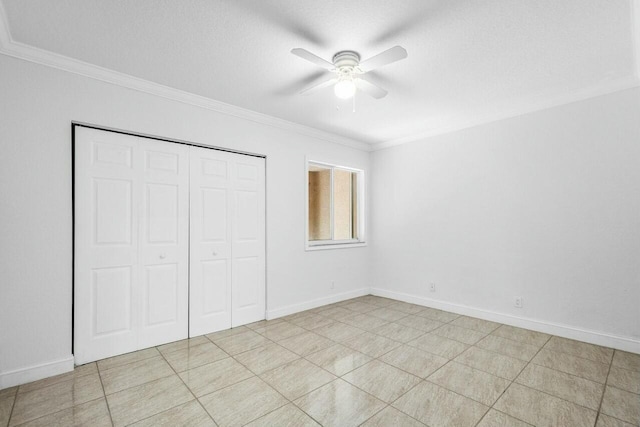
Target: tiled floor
367	361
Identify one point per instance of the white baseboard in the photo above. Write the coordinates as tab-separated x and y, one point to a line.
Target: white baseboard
36	372
295	308
565	331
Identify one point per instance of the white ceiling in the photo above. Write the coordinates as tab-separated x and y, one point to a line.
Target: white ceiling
469	61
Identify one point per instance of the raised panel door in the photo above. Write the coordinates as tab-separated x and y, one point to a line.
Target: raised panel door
106	257
210	253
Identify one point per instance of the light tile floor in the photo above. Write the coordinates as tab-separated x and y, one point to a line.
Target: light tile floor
368	361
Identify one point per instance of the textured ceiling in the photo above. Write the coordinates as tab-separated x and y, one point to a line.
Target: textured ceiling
467	59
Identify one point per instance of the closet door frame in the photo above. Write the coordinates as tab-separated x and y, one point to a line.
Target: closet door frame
78	124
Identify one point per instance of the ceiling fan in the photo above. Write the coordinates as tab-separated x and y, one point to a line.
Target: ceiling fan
349	71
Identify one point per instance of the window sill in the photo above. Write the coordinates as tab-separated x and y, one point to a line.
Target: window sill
335	246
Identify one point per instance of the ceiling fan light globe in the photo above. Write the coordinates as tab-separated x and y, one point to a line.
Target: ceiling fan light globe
344	89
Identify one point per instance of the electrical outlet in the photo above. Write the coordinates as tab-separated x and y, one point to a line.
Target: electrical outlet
517	302
333	284
432	287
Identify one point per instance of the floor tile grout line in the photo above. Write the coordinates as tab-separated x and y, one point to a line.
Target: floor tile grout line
453	339
541	348
72	378
419	349
315	351
128	363
518	341
470	329
502	412
604	387
226	386
341	377
277	409
334	344
9	394
61	410
553	395
599	413
566	373
575	355
502	354
250	349
268	385
455	359
187	387
136	385
511	383
425	380
213	342
13	405
527	364
238	382
17	394
188	346
621	389
348	383
435	354
626	369
383	362
390	404
557	397
459	394
311	391
104	394
569	374
144	383
375	413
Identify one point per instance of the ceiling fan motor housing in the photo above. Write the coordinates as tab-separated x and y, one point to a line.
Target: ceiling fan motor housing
346	63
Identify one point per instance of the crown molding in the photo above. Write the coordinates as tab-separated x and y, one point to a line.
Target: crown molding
25	52
525	107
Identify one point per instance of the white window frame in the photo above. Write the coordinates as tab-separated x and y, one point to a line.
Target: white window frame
314	245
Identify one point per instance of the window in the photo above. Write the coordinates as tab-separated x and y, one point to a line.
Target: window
334	206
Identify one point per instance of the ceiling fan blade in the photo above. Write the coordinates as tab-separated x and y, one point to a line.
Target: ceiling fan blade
394	54
369	88
319	86
305	54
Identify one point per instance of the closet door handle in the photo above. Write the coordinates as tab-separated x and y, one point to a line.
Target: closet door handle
163	256
214	253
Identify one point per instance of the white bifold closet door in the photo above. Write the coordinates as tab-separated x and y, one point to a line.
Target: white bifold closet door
131	270
227	227
169	242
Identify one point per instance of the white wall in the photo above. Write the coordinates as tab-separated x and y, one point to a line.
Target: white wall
544	206
37	105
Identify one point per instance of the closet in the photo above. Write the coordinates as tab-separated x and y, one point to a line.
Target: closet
169	242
